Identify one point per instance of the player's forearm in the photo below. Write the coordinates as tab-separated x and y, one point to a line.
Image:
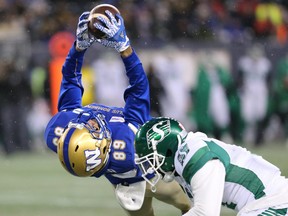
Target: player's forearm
134	69
71	89
137	97
73	62
208	194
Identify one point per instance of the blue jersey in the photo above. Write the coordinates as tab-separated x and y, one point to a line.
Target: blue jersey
122	121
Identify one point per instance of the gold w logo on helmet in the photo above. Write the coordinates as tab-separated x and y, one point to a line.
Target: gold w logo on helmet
158	132
92	159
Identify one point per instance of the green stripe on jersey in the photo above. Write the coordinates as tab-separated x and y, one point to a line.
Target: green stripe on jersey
196	162
202	156
230	205
239	175
220	152
274	212
246	178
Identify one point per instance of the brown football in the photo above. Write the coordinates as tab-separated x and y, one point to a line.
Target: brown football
99	10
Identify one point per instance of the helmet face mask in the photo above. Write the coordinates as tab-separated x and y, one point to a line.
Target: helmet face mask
84	147
94	123
156	143
150	164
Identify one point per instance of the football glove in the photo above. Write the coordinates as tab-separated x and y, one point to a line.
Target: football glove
115	32
84	38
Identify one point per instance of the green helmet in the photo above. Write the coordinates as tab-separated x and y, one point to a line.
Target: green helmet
156	143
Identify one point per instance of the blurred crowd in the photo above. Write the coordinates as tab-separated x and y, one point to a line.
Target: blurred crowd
246	92
163	20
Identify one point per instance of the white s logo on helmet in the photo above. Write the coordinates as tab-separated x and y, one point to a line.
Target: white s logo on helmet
158	132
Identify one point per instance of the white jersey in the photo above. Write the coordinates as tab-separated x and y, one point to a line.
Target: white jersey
248	177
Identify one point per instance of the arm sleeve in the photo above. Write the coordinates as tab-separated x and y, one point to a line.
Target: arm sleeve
71	89
208	186
136	95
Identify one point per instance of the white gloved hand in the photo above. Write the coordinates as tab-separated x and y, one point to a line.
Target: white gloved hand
115	32
84	38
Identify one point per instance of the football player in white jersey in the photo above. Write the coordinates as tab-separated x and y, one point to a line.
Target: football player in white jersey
212	172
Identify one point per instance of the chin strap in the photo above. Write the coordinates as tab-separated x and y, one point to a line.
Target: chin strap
169	176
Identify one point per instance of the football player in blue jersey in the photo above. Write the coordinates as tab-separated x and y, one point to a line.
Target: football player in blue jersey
97	140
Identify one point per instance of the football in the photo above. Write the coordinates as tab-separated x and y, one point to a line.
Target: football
99	10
